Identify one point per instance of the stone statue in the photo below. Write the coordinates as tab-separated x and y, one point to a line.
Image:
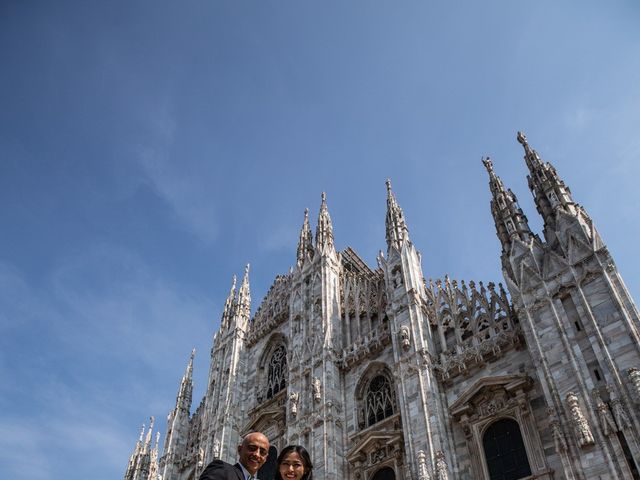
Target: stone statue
317	389
558	437
216	448
441	466
622	420
405	337
423	471
293	401
580	424
604	415
634	376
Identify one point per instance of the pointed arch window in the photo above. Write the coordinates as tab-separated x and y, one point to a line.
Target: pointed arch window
379	403
276	373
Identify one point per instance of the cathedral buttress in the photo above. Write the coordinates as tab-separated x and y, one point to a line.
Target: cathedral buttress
226	391
178	425
580	325
324	374
421	407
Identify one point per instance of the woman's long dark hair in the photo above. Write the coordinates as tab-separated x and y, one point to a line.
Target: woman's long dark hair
304	455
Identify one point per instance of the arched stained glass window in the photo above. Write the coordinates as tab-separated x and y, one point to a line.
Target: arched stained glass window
276	375
504	451
379	402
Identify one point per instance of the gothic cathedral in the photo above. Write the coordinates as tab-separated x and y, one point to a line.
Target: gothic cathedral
382	375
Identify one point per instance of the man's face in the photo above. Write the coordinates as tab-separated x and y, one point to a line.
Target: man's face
253	452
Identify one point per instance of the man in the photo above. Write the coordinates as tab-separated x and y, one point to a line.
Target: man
252	453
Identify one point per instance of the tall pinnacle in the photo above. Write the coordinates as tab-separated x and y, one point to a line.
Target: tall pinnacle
509	219
186	386
549	191
324	232
397	231
305	244
147	441
229	305
244	295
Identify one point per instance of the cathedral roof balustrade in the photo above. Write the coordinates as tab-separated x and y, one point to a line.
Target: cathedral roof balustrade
367	346
472	325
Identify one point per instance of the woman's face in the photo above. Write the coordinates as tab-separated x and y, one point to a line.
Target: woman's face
292	467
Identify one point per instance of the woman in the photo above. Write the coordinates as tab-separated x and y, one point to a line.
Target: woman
294	463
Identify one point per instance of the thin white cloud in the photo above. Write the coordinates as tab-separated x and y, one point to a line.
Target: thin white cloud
188	194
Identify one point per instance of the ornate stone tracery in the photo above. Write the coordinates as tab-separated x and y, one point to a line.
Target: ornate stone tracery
379	403
375	396
277	372
273	310
471	325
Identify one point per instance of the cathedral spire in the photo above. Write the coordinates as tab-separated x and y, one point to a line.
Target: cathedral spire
183	401
510	221
141	437
324	232
397	231
305	244
147	442
244	295
229	305
549	191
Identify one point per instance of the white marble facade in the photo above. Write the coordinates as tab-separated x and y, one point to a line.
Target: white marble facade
381	374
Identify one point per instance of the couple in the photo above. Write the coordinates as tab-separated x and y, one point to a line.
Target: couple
293	462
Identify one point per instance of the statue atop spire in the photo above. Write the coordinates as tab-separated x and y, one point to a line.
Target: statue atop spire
244	295
324	232
305	243
397	231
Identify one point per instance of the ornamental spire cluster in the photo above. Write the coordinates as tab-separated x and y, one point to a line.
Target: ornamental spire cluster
549	191
185	392
244	295
509	219
229	305
396	228
305	243
324	231
143	462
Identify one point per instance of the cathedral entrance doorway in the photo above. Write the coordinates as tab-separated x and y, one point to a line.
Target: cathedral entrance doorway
385	473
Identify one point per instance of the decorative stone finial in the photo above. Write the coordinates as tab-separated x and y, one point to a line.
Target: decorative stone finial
488	164
522	139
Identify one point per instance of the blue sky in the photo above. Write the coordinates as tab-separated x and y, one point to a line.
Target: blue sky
149	149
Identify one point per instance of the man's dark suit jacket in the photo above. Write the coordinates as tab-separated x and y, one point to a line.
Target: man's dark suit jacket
219	470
